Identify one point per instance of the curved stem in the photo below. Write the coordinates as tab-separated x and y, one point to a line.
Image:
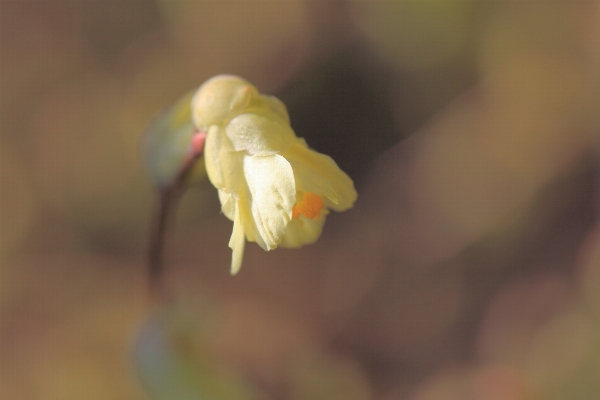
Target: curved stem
167	206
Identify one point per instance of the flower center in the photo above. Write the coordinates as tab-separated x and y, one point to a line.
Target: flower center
310	206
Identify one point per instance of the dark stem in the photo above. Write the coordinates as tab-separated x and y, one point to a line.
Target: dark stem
167	205
158	232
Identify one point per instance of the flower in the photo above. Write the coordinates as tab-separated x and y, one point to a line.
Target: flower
275	189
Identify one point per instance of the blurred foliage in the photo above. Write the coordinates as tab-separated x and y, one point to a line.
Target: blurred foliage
470	267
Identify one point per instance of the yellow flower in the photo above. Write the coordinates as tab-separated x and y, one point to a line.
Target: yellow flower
275	189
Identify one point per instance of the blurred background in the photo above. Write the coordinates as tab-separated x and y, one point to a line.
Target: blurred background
468	269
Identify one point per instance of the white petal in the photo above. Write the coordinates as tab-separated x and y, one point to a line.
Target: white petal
272	186
223	163
227	204
302	230
260	132
219	98
317	173
237	242
212	159
250	228
276	106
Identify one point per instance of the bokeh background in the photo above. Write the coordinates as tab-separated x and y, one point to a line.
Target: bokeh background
468	269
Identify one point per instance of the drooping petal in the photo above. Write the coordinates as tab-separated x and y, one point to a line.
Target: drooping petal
317	173
276	106
237	243
302	230
245	207
260	132
212	157
228	204
272	186
223	163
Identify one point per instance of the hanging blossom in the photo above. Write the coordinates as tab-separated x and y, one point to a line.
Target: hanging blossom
275	189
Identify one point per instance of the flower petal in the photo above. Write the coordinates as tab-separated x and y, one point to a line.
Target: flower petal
302	230
250	228
276	106
228	204
219	98
273	190
223	163
260	132
317	173
237	243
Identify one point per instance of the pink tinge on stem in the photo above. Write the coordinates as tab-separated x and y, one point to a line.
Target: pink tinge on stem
197	144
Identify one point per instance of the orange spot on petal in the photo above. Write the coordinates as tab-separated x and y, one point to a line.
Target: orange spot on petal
310	206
